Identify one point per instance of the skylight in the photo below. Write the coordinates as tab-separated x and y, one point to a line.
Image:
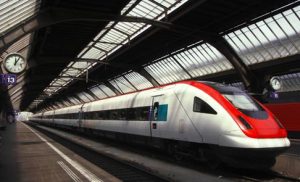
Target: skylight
197	60
268	39
114	36
13	12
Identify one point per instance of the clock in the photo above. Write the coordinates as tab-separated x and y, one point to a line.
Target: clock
275	83
14	63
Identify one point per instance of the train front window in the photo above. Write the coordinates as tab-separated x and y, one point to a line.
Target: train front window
243	102
246	105
240	100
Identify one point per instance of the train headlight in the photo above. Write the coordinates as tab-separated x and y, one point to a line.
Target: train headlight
245	123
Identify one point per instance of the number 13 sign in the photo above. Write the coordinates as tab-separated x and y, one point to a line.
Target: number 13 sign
8	79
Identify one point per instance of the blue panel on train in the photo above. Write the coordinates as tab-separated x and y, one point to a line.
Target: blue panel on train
162	112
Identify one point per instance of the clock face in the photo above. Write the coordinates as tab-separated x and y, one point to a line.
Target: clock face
14	63
275	83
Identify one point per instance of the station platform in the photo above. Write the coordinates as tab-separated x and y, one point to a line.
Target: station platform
28	155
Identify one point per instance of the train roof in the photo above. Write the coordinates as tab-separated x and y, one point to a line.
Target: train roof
222	88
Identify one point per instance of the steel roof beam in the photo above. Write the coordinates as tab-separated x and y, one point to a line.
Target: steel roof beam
249	79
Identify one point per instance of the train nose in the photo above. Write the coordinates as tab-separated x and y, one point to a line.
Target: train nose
237	138
268	128
261	128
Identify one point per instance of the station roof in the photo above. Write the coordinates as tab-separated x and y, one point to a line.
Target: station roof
80	51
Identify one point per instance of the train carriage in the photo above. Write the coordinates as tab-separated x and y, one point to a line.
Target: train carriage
196	118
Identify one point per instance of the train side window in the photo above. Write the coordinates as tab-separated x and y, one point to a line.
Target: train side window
144	113
130	114
95	115
112	114
100	115
202	107
122	114
106	115
137	114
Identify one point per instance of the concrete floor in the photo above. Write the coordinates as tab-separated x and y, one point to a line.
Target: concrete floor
28	155
24	156
289	162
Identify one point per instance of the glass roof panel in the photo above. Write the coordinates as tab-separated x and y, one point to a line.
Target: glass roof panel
122	85
107	90
290	82
166	3
70	72
196	60
74	100
167	71
65	103
13	12
60	104
81	65
138	81
83	97
129	5
93	53
89	96
98	92
274	37
128	28
117	34
60	82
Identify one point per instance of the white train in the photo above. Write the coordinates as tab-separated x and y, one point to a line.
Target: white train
203	119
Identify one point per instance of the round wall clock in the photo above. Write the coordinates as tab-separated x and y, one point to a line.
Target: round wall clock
14	63
275	83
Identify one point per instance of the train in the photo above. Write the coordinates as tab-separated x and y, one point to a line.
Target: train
209	121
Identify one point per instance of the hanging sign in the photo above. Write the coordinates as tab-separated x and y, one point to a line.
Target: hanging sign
8	79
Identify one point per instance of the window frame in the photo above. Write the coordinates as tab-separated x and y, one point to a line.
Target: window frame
208	109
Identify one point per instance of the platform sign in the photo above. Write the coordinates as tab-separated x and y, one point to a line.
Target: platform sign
8	79
274	95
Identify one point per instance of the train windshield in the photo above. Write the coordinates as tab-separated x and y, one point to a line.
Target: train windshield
240	100
246	105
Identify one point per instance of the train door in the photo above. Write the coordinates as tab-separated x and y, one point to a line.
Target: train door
158	114
53	117
42	116
80	116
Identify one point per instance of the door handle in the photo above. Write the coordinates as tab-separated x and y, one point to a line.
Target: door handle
154	125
